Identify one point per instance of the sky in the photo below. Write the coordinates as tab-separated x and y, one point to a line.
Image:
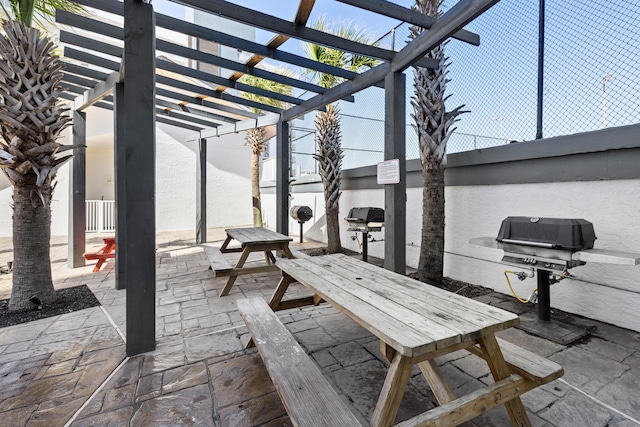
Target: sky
375	24
497	81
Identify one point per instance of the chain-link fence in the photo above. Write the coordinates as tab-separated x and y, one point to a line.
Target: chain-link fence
591	80
591	70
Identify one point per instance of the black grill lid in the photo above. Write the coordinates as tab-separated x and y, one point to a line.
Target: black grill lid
366	215
555	233
301	213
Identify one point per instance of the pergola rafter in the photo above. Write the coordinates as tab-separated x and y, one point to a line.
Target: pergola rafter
291	29
158	89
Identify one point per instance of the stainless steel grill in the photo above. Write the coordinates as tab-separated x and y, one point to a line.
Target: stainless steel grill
365	221
548	246
544	243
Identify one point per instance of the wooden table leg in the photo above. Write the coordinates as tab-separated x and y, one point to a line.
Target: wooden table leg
286	251
243	258
436	380
499	370
392	391
269	258
225	244
278	294
106	249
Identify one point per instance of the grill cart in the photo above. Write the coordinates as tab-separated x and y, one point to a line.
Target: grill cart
301	214
365	221
550	247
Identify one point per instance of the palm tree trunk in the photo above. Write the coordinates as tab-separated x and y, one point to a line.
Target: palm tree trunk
254	138
31	242
333	230
432	247
255	189
329	156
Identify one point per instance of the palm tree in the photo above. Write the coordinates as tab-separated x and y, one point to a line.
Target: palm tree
31	120
255	138
433	126
328	138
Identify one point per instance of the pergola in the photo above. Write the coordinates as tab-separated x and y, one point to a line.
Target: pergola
143	88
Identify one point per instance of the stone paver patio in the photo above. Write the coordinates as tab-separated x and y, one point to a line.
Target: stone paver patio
72	369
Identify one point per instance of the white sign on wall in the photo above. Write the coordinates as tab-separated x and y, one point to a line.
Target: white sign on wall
389	172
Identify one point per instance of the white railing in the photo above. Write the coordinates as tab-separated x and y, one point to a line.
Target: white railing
101	215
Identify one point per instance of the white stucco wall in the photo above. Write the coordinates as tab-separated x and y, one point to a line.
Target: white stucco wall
605	292
228	185
6	212
100	170
59	205
610	293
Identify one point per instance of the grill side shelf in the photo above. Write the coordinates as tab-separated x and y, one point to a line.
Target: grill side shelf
605	256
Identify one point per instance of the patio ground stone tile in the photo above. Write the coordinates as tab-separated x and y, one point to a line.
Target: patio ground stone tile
240	379
576	409
617	393
118	418
194	408
199	373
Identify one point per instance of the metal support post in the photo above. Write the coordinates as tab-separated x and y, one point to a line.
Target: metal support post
395	197
78	190
140	167
201	192
282	178
544	295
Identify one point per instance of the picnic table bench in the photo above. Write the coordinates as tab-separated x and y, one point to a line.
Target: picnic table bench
307	396
107	251
251	239
415	323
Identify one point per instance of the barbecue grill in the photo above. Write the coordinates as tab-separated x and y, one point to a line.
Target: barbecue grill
365	221
301	214
544	243
550	245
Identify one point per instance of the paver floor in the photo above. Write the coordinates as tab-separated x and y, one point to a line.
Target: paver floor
72	369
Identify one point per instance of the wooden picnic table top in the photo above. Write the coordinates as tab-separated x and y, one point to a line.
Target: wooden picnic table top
256	235
412	317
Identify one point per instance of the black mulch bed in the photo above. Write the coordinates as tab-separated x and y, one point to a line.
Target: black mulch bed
69	300
461	288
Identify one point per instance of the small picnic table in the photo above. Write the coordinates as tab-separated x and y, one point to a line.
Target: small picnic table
104	253
253	239
415	323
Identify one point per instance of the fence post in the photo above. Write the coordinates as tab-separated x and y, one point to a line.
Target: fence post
100	211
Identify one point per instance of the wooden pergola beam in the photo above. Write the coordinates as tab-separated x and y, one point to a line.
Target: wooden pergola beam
162	64
411	16
98	92
196	55
457	17
281	26
190	29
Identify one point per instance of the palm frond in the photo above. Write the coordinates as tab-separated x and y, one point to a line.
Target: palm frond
335	57
41	11
269	85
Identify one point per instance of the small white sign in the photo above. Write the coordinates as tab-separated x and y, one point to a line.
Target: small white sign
389	172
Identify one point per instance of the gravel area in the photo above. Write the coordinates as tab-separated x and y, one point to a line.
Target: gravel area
69	299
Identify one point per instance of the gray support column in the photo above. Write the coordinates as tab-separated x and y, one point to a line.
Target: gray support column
139	186
282	178
395	195
119	150
540	110
201	192
78	191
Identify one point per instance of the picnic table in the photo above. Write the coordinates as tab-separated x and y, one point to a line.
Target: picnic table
104	253
415	323
251	239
